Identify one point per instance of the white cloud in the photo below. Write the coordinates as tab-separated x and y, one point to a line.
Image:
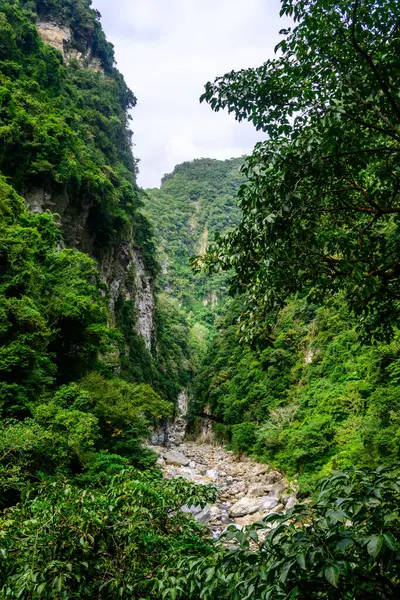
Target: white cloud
167	50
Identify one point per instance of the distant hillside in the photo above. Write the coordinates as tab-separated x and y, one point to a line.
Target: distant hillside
194	203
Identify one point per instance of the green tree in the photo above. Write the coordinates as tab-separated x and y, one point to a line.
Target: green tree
343	545
106	543
321	205
53	315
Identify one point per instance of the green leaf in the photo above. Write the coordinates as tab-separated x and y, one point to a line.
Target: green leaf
285	571
390	541
374	545
332	574
344	544
301	559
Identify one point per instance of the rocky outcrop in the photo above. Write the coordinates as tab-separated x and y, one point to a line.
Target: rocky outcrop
121	266
53	34
173	432
60	37
248	491
144	300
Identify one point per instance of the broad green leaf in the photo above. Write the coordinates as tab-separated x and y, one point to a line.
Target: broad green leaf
390	541
332	574
374	545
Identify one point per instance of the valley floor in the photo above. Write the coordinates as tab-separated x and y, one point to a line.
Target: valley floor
248	491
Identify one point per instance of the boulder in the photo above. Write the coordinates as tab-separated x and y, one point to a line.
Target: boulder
256	490
274	476
204	515
259	470
176	458
200	514
188	473
267	503
291	501
249	519
215	513
275	489
212	474
245	506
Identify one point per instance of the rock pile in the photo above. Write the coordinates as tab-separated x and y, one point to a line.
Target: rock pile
248	491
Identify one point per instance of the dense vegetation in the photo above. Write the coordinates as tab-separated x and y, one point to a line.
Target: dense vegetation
79	391
306	391
83	511
195	202
343	545
321	203
315	400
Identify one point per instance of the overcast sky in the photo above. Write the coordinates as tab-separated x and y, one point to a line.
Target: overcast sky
167	50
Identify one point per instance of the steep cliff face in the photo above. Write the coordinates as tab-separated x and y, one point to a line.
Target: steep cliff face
60	37
75	147
121	264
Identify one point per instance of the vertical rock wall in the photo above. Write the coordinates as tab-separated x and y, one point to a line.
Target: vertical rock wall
173	433
60	37
144	300
122	267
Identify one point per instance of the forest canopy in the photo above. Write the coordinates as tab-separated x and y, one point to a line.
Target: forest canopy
321	204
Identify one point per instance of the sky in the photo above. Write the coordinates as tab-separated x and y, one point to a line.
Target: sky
167	50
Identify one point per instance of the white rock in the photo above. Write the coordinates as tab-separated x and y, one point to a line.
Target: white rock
267	503
245	506
292	501
200	514
215	513
274	476
256	490
259	469
204	515
188	473
176	458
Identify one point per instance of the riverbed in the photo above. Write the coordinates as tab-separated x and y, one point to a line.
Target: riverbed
247	491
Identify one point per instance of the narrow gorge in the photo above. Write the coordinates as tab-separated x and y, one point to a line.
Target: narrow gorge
199	381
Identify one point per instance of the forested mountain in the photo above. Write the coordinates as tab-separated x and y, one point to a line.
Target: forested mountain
90	359
195	202
315	398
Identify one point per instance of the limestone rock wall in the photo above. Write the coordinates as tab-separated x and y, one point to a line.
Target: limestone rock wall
122	267
60	37
144	300
173	433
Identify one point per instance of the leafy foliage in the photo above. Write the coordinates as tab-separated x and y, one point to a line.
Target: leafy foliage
315	400
52	307
194	203
343	545
321	203
67	542
65	131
